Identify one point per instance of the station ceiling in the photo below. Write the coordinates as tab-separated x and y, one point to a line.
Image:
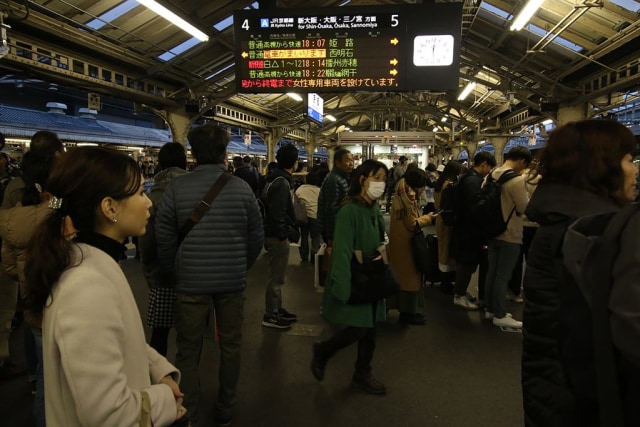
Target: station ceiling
572	52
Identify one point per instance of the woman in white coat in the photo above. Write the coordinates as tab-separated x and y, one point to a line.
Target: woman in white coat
98	369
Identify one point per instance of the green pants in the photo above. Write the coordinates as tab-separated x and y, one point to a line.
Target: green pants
191	320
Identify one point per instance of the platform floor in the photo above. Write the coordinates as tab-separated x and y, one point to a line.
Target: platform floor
457	370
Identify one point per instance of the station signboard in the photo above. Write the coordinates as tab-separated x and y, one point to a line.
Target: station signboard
374	48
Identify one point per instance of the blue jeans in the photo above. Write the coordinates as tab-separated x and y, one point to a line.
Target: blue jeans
502	258
191	318
278	253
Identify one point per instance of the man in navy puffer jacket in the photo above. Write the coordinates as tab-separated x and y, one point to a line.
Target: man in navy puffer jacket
210	266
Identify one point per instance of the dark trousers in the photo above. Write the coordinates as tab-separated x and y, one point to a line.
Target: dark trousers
515	283
465	271
366	339
192	318
309	230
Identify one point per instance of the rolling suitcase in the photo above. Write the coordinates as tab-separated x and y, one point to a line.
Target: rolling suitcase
433	275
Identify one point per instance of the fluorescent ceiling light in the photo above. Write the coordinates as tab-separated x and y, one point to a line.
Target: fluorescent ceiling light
86	144
330	118
174	19
547	122
443	119
435	129
467	90
294	96
525	14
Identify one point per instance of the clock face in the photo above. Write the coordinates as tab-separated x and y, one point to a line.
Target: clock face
433	50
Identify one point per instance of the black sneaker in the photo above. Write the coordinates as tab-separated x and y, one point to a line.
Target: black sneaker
317	365
369	384
284	314
275	321
411	319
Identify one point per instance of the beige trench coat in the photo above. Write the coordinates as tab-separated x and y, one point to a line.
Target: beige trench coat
445	262
404	214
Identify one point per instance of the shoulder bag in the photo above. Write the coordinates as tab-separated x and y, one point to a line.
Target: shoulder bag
203	206
371	280
420	250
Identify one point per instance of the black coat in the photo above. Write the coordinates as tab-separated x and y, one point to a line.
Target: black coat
280	219
466	244
558	374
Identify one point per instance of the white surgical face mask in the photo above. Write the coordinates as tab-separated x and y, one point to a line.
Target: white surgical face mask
375	190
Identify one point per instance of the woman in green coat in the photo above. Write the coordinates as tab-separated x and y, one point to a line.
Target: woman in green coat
359	230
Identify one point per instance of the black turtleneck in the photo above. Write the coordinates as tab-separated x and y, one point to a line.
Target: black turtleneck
113	248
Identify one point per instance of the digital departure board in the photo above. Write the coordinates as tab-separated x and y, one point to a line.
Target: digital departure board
375	48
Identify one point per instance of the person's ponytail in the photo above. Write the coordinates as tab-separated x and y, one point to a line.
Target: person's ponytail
48	254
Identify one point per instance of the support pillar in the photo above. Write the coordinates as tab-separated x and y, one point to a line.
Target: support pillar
270	140
179	125
499	142
310	146
455	151
571	114
472	148
178	122
332	152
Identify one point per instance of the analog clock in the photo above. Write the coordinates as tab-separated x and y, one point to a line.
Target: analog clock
433	50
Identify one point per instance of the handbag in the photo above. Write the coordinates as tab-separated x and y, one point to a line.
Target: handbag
299	210
420	250
371	281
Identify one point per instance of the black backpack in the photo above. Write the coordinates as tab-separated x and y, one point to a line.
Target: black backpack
591	246
486	211
450	203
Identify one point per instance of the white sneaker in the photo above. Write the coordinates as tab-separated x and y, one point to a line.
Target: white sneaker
507	322
489	315
464	302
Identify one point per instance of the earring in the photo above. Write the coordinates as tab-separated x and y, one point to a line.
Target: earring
115	219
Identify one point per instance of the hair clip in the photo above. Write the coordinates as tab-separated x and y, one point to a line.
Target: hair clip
55	203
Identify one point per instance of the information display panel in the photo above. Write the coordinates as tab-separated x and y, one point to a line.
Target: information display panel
385	48
315	107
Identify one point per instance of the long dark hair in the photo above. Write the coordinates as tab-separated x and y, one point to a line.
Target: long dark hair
450	173
37	163
81	179
587	155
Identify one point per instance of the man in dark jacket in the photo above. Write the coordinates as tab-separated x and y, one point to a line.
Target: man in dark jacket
280	229
334	188
210	265
246	172
466	244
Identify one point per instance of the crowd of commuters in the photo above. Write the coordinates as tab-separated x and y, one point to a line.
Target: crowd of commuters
64	219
